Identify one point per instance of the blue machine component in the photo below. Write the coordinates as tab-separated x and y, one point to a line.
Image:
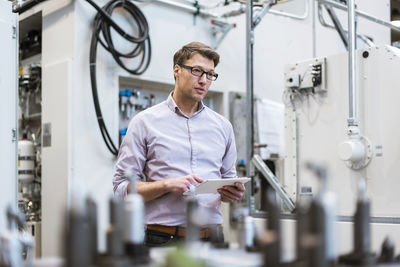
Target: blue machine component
122	132
127	93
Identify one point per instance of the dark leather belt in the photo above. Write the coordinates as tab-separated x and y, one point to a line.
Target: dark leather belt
178	230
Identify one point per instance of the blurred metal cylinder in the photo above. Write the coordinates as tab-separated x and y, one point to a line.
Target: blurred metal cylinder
77	235
91	211
133	229
272	250
302	229
192	228
362	232
115	229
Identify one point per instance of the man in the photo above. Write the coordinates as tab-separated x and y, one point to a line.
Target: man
176	144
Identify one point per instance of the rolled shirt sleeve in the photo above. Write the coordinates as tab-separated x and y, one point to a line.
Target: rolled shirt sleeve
228	168
131	157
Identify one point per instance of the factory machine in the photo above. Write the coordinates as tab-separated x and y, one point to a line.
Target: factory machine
317	129
30	129
359	158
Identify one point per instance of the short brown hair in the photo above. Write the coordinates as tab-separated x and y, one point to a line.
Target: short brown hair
187	51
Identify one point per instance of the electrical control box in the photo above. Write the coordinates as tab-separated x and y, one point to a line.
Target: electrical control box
310	74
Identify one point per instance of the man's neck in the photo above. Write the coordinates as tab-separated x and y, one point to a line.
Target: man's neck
187	107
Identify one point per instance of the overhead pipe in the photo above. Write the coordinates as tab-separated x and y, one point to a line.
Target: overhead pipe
249	86
353	120
257	19
188	8
25	6
362	37
354	150
361	14
337	24
198	10
292	16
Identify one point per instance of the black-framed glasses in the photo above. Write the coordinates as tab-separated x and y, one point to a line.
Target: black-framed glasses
198	72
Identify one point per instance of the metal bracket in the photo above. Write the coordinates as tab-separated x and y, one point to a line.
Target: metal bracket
273	181
14	134
258	17
219	31
14	32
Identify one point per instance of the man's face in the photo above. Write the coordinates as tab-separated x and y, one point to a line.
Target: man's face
193	88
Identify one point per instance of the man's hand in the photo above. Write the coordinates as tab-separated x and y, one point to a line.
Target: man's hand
181	184
232	193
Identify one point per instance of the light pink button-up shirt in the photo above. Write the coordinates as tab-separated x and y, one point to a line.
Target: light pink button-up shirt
161	142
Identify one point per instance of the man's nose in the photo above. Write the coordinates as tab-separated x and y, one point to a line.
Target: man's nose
203	78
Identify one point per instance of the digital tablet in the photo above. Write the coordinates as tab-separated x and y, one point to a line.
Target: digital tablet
211	186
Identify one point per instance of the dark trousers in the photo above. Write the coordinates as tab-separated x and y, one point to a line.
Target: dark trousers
159	239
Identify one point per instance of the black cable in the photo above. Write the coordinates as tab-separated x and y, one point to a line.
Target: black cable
102	33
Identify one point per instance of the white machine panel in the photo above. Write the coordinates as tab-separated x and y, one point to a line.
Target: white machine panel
307	74
316	124
8	111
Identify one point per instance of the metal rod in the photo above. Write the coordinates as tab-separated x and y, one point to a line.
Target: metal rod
314	31
361	14
273	181
232	13
249	92
257	19
362	37
298	174
338	25
27	5
187	8
352	121
289	15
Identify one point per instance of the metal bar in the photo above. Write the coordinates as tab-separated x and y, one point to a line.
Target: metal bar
224	33
339	218
314	31
366	40
361	14
232	13
257	19
292	16
338	25
249	88
273	181
362	37
187	8
27	5
298	174
352	121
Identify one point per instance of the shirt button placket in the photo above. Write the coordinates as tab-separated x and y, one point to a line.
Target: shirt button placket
191	145
194	149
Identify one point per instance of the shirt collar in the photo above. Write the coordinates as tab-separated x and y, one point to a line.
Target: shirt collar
174	107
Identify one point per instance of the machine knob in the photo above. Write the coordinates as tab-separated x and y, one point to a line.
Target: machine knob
352	150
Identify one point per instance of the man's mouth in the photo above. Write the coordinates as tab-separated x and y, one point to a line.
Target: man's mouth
200	90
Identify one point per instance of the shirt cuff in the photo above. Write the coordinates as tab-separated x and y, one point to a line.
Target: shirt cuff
122	190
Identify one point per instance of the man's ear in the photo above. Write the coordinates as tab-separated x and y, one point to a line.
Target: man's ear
176	70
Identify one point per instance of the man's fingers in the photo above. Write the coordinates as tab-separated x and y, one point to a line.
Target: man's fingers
229	194
192	180
198	179
224	196
233	190
240	187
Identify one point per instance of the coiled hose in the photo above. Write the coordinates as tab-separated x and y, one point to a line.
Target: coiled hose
102	33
